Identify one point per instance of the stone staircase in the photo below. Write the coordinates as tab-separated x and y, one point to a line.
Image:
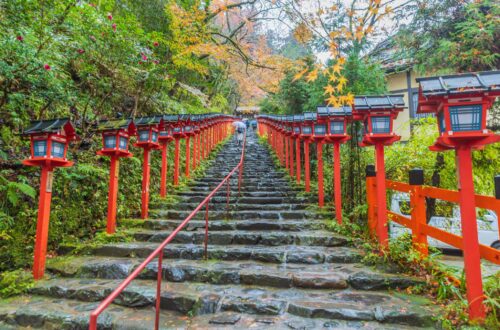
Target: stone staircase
271	265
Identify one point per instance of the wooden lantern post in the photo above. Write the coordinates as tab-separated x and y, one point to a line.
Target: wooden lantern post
297	120
306	135
115	144
166	136
461	104
319	135
147	138
49	146
337	135
378	114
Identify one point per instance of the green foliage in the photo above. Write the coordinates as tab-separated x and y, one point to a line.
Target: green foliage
453	36
15	282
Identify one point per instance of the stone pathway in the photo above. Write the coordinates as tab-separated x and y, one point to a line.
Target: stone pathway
272	265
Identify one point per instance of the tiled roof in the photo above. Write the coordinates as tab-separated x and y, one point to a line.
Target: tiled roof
460	83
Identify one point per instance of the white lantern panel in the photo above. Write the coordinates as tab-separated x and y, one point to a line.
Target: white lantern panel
144	135
110	142
154	136
40	148
466	117
57	149
123	143
336	127
381	124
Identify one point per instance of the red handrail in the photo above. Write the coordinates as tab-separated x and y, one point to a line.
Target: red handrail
159	251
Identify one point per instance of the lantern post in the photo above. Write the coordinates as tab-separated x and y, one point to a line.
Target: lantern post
288	122
196	146
337	135
378	114
49	145
188	133
178	133
319	135
306	135
115	144
166	136
297	120
147	138
461	104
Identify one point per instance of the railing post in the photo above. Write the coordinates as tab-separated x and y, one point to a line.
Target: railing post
291	144
371	199
418	211
159	277
497	196
227	195
206	230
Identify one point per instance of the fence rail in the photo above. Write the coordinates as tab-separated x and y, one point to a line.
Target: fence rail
417	221
159	251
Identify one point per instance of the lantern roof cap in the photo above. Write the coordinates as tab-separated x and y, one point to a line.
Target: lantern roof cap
460	83
105	125
147	121
379	102
334	111
51	126
310	116
298	118
170	118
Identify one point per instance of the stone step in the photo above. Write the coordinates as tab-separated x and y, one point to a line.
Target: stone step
233	207
321	276
235	200
199	299
28	312
257	194
219	225
277	254
245	189
237	215
311	238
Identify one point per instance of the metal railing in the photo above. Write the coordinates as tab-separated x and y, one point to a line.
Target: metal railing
159	251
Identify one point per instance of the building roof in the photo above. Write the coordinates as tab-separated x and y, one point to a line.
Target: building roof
460	83
390	56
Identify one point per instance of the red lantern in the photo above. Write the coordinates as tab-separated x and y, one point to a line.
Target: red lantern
337	119
461	104
148	129
377	114
49	146
115	144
